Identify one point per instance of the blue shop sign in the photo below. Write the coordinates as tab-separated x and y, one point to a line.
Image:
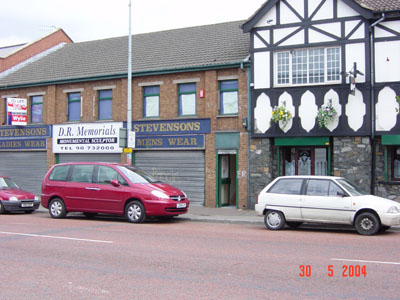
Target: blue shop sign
18	132
24	138
170	127
170	142
23	144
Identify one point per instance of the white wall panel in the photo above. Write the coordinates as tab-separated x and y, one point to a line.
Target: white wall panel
261	70
287	15
345	11
258	43
394	25
268	19
325	12
387	61
358	34
355	53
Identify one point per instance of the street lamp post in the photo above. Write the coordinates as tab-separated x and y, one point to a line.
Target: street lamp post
129	79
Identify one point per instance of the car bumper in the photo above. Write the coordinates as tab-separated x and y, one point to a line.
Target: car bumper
390	219
259	208
25	205
166	208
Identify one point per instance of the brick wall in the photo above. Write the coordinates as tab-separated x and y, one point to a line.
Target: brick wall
34	48
55	112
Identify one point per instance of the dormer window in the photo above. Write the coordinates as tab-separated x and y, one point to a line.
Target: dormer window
308	66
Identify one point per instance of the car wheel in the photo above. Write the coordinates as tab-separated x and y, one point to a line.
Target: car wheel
135	212
367	224
294	224
274	220
2	210
57	209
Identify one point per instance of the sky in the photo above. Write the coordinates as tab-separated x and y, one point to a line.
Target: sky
23	21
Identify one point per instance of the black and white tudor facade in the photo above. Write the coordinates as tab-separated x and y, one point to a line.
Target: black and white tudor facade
334	58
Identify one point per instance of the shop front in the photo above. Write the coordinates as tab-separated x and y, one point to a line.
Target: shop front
23	154
174	151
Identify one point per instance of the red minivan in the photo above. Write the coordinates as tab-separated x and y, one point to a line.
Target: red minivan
110	188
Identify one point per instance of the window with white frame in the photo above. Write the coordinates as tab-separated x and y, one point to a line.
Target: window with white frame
308	66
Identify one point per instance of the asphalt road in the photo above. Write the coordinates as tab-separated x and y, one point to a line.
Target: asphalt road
109	258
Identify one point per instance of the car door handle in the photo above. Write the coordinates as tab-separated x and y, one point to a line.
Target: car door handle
92	188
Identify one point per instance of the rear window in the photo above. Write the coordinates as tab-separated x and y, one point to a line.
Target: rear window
291	186
59	173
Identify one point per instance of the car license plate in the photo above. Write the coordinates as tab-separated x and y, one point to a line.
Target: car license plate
181	205
26	204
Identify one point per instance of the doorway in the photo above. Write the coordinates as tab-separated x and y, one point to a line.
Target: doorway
226	185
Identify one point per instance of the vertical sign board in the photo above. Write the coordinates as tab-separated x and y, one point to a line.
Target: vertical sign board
17	109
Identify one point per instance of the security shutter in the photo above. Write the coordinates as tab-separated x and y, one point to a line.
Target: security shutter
90	157
182	169
27	169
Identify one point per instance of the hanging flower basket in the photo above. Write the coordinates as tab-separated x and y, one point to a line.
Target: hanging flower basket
281	113
326	114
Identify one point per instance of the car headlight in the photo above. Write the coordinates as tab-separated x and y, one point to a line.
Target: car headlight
13	199
393	210
160	194
36	198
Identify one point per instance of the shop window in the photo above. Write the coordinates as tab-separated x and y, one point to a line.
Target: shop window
308	66
187	99
395	163
304	161
105	105
151	101
74	106
37	109
228	96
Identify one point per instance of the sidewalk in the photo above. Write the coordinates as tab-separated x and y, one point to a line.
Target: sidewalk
227	214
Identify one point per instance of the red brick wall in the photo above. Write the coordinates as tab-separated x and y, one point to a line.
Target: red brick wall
55	112
34	48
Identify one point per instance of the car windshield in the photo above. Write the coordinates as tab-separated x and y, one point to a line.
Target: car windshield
7	183
353	190
137	176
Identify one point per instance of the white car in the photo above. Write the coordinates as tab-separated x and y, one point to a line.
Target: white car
324	199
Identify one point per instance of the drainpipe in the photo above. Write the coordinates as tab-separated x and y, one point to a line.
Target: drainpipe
246	60
373	147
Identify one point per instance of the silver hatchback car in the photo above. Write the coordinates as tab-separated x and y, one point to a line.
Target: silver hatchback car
293	200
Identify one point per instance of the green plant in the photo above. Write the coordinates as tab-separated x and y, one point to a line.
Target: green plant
398	101
281	113
326	114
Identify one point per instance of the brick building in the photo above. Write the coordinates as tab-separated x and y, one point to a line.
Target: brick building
12	56
189	110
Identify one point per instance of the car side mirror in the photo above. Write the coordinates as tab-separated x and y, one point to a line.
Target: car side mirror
115	183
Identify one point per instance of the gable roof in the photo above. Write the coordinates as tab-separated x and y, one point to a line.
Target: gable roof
7	50
380	5
369	9
210	46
